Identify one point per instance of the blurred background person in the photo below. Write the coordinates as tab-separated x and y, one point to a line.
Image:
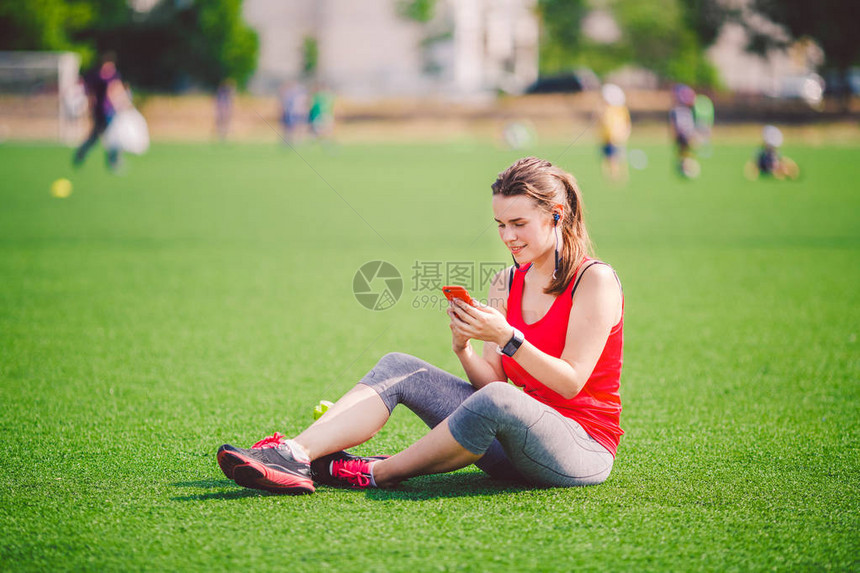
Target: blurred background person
768	161
224	97
683	127
294	111
703	117
106	95
321	113
615	130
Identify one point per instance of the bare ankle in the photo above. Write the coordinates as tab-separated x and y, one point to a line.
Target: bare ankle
380	477
302	452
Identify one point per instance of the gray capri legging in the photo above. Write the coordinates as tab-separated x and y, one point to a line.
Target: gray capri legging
520	438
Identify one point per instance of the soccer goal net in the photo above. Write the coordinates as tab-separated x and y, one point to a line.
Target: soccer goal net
41	97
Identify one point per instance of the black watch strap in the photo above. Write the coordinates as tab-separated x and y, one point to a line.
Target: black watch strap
513	344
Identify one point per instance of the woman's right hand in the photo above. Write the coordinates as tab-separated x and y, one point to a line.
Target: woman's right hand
459	340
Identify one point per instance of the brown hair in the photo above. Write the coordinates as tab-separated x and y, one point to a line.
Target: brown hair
548	185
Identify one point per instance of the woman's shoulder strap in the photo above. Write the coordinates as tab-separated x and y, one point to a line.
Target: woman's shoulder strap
584	266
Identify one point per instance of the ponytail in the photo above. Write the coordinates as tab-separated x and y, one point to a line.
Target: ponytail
575	242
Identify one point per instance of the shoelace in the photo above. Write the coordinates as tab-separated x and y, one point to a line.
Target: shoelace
356	472
272	441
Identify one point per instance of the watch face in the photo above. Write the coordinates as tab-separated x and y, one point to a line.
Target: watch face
513	344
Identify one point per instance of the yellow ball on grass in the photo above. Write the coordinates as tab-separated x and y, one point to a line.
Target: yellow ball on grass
61	188
321	408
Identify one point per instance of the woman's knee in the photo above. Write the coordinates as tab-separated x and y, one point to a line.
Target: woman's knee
485	415
496	400
428	391
398	361
395	372
391	365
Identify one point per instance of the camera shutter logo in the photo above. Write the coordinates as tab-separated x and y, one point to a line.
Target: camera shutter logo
377	285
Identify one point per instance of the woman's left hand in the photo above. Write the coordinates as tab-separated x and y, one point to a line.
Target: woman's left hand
482	322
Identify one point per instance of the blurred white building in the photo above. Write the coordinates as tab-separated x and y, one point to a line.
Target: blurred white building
369	49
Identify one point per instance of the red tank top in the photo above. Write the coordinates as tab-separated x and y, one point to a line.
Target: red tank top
597	407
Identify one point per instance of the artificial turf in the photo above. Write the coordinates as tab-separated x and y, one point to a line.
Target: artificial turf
205	296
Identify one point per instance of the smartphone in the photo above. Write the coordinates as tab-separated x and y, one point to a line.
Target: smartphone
452	292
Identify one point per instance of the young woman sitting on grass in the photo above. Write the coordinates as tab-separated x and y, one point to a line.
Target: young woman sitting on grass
552	325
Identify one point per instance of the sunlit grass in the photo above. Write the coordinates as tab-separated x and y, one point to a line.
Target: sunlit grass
206	296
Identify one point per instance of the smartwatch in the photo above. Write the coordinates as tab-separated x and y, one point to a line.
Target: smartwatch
513	344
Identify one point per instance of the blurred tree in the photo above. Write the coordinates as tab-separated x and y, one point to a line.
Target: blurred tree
310	56
831	23
418	10
655	32
668	37
45	25
227	44
706	18
177	44
665	36
561	36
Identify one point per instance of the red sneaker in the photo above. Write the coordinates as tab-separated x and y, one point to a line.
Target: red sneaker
228	463
342	469
272	441
272	468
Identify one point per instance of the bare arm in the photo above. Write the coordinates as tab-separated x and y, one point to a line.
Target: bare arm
596	310
118	96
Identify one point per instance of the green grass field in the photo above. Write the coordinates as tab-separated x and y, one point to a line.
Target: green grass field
206	297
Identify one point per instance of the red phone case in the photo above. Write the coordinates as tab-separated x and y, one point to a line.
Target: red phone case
453	291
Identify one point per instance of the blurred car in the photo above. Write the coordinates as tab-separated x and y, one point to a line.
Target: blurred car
578	80
840	85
